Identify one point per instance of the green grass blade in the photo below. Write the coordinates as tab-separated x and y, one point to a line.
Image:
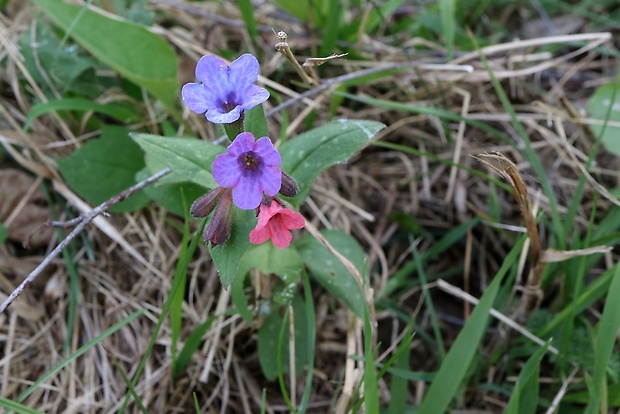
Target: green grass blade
605	339
595	291
17	407
454	368
164	311
81	351
448	25
429	305
311	327
247	13
399	391
130	387
191	346
334	22
524	397
371	395
280	358
180	277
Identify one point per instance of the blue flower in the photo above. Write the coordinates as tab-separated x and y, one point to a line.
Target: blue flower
225	91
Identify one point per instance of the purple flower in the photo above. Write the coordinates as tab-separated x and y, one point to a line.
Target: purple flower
251	168
225	91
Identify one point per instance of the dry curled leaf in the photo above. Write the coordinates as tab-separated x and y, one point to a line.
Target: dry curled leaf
24	220
555	256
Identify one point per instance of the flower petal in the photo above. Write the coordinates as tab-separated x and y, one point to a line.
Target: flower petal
270	180
265	214
246	194
216	116
213	73
280	236
196	97
259	235
292	220
243	72
242	144
269	155
253	95
225	170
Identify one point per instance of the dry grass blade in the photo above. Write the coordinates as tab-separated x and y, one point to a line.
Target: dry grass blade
532	294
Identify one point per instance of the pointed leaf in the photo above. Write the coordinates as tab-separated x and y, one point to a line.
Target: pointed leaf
312	152
104	167
130	49
227	257
169	195
268	341
328	270
190	159
255	122
606	99
116	111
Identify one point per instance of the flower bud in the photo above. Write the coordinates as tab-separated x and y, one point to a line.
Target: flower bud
289	187
218	229
205	204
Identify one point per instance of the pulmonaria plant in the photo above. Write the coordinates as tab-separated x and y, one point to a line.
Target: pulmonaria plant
248	173
224	92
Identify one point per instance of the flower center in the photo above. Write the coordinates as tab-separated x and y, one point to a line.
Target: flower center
250	161
230	103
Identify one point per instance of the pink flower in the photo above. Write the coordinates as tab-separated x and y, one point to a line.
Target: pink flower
275	223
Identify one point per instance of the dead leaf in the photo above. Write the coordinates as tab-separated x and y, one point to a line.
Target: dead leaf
554	256
24	219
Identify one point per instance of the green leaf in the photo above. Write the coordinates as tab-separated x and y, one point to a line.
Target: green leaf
454	367
255	122
4	233
269	259
301	9
239	299
605	98
583	397
61	63
190	159
130	49
116	111
227	257
104	167
169	195
524	397
328	270
268	341
312	152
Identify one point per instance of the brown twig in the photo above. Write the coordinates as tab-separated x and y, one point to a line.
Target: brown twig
82	220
